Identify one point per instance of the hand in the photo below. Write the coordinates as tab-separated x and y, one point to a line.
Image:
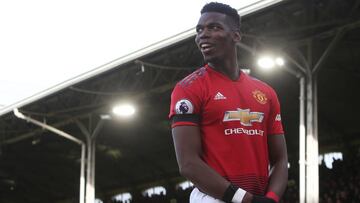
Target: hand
247	198
262	199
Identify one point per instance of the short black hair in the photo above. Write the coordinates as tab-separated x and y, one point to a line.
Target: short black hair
225	9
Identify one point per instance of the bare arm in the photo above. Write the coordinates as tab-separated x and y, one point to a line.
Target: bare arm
278	161
188	148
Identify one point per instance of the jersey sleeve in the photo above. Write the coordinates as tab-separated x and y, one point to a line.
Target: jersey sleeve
274	123
185	105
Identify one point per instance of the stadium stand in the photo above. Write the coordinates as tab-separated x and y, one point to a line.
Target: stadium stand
139	153
341	184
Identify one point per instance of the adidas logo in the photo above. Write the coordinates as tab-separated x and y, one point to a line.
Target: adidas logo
219	96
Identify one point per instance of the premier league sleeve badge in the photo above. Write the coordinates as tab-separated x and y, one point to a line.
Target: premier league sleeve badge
184	106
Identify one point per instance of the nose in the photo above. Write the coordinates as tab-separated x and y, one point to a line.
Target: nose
204	34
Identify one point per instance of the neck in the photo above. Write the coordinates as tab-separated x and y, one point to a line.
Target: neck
229	68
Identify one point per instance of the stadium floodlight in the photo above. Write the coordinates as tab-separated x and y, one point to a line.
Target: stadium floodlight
266	62
279	61
124	110
269	62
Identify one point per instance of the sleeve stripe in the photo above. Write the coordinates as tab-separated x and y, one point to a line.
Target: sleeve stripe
183	124
276	134
185	118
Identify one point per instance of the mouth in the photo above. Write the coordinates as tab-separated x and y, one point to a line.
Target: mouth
206	47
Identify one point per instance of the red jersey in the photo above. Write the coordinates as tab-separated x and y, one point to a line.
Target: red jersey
235	118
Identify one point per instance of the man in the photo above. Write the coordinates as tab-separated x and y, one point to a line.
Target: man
226	125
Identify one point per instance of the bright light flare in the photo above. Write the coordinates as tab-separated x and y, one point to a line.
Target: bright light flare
279	61
124	110
266	62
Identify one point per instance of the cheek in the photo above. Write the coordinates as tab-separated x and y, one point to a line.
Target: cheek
223	38
197	39
226	41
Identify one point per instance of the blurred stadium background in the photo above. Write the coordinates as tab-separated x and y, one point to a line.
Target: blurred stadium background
135	160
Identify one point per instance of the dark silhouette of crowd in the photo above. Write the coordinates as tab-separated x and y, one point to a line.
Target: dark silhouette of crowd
178	196
341	184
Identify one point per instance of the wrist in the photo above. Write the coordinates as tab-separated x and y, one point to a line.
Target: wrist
239	196
233	194
272	195
262	199
248	198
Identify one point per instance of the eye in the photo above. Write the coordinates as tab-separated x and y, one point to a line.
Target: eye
199	29
215	27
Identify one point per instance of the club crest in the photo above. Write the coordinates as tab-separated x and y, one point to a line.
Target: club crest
259	96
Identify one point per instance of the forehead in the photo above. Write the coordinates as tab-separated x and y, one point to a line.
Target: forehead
212	17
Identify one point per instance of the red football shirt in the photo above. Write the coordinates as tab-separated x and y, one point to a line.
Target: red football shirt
235	118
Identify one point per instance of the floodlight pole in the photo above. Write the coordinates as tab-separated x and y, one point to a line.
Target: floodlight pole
309	149
67	136
312	144
302	133
304	76
90	161
308	142
302	137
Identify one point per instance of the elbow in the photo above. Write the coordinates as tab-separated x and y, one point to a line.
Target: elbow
281	164
187	169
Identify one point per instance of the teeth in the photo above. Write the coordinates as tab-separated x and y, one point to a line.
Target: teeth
205	46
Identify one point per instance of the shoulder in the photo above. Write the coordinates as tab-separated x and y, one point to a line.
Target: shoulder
262	86
193	79
192	86
189	93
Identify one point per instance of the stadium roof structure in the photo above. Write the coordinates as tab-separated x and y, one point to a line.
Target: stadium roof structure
38	166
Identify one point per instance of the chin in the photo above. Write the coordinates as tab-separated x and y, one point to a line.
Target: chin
208	59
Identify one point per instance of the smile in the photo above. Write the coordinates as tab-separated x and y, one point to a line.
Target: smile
206	47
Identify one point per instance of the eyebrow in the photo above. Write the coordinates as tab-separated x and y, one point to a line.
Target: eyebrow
215	23
210	24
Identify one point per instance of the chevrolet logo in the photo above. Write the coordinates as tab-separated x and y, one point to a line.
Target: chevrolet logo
244	116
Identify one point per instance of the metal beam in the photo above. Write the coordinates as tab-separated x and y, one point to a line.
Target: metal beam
82	128
347	27
67	136
328	50
298	65
289	58
299	29
159	89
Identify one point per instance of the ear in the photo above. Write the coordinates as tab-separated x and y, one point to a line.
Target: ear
236	36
